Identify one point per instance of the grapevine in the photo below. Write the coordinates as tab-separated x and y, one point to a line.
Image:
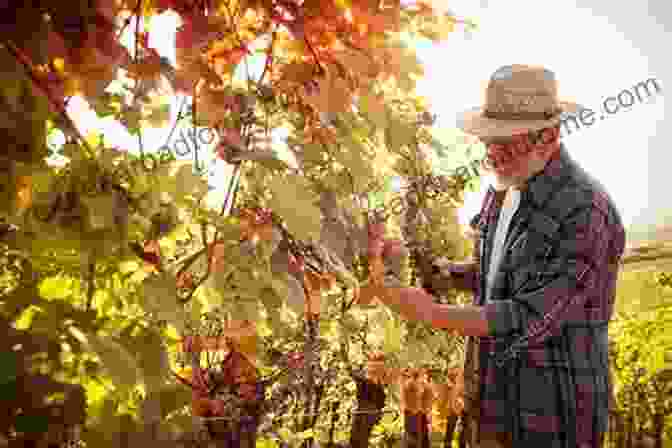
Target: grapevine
248	315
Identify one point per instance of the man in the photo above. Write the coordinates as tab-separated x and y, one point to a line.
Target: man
550	245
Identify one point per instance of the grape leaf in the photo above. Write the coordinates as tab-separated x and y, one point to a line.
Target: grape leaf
171	398
152	358
160	297
56	287
394	335
242	310
296	297
398	135
403	61
187	182
373	106
100	210
351	156
120	364
296	204
333	95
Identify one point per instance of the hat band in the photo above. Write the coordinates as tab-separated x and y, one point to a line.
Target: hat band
522	115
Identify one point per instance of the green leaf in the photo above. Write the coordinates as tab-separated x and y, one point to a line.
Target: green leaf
272	297
294	201
265	443
101	210
8	391
172	398
187	182
160	297
31	423
245	310
55	288
9	363
393	334
119	364
351	157
152	358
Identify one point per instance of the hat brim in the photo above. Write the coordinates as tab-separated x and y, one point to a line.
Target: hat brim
475	123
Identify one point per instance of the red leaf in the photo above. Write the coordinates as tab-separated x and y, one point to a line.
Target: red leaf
194	32
185	280
231	137
217	407
296	265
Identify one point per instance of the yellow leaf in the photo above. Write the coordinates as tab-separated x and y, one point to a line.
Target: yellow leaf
296	204
373	106
402	61
445	26
59	64
158	116
398	134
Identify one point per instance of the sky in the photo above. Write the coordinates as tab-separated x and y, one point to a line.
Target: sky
596	48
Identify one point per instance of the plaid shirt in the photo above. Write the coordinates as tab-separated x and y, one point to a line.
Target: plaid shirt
544	369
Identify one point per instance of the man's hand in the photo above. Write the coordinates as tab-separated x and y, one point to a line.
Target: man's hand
441	279
450	275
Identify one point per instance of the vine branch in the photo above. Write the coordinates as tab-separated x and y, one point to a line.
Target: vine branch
27	64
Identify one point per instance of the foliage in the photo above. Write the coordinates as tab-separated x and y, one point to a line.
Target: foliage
115	258
642	366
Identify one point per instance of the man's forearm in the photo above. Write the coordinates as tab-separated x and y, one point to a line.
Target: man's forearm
416	304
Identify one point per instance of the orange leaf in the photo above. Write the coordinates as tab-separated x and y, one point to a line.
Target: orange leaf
328	281
218	254
244	339
411	396
366	294
377	270
200	407
152	254
439	6
298	72
238	369
312	282
427	398
333	95
148	68
24	192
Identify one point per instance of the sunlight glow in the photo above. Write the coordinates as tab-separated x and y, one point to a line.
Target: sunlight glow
456	76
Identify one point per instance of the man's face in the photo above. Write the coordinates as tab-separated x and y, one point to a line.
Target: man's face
518	164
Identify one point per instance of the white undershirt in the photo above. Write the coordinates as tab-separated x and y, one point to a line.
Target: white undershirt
509	207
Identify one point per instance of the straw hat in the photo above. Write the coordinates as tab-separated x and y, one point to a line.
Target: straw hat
518	98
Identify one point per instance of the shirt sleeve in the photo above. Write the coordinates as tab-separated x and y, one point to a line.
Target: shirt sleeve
560	287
